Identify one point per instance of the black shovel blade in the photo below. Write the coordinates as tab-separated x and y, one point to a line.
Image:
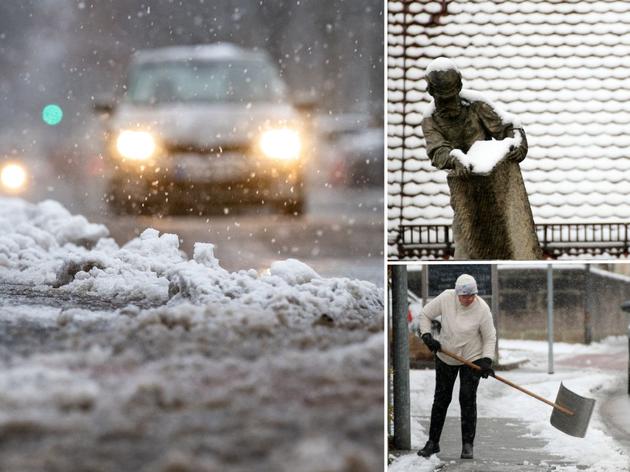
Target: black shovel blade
582	408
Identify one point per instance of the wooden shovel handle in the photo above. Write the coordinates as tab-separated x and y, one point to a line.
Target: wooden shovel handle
507	382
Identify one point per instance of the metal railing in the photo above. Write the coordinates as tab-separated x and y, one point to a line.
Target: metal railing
556	240
426	242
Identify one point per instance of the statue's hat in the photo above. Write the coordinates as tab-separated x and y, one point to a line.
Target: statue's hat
443	78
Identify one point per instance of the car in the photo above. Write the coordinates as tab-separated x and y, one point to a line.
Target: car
199	128
26	176
15	177
354	148
363	157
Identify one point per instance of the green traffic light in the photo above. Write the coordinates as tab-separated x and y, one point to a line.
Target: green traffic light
52	114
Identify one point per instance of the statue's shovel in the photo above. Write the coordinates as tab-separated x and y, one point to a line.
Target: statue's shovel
571	412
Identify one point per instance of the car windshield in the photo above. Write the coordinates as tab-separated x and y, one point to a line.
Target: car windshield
205	81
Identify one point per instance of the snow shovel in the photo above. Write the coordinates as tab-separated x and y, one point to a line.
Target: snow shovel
572	418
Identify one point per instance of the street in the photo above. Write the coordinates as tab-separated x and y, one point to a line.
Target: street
188	388
141	358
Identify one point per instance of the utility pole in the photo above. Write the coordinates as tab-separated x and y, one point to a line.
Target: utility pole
400	334
550	318
494	281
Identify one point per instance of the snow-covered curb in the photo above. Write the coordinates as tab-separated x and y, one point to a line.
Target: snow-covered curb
45	247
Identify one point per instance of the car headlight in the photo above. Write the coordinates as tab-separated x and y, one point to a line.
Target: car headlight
13	177
283	144
136	145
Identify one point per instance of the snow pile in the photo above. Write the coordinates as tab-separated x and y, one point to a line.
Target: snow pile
32	236
414	463
29	232
293	271
44	246
483	156
198	368
440	64
289	288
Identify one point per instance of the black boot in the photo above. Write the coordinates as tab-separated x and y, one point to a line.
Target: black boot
467	451
429	448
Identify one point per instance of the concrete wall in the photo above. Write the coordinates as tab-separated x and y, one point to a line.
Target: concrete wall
523	304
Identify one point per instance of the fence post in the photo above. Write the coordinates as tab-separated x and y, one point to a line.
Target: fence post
447	238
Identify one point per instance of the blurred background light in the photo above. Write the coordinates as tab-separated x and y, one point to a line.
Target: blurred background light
52	114
13	177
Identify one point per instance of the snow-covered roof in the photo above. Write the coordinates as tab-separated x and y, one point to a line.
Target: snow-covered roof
562	68
201	52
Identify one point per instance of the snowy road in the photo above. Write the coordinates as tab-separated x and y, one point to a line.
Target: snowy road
140	358
132	391
341	234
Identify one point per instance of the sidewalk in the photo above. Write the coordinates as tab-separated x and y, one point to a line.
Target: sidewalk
615	411
513	432
615	407
502	444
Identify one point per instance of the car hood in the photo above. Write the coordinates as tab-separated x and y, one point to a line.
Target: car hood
200	125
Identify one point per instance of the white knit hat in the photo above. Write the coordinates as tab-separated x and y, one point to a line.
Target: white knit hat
466	285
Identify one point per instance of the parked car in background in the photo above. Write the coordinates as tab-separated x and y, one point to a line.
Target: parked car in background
202	127
363	157
355	148
26	176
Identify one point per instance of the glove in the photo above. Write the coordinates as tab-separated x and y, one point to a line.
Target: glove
433	345
517	154
486	367
459	169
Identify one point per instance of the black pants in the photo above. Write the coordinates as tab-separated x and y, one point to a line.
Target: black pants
445	376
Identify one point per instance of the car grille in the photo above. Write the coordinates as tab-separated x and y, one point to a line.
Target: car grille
208	150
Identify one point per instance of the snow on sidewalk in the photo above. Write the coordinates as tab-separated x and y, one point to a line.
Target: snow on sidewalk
598	451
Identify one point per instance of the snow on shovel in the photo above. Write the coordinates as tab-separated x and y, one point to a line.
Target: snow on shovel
571	412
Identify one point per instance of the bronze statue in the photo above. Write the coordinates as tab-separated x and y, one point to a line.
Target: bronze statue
492	215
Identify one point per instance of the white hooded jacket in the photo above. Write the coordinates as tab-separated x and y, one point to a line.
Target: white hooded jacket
466	331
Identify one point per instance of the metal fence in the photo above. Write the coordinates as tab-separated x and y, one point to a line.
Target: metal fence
556	240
